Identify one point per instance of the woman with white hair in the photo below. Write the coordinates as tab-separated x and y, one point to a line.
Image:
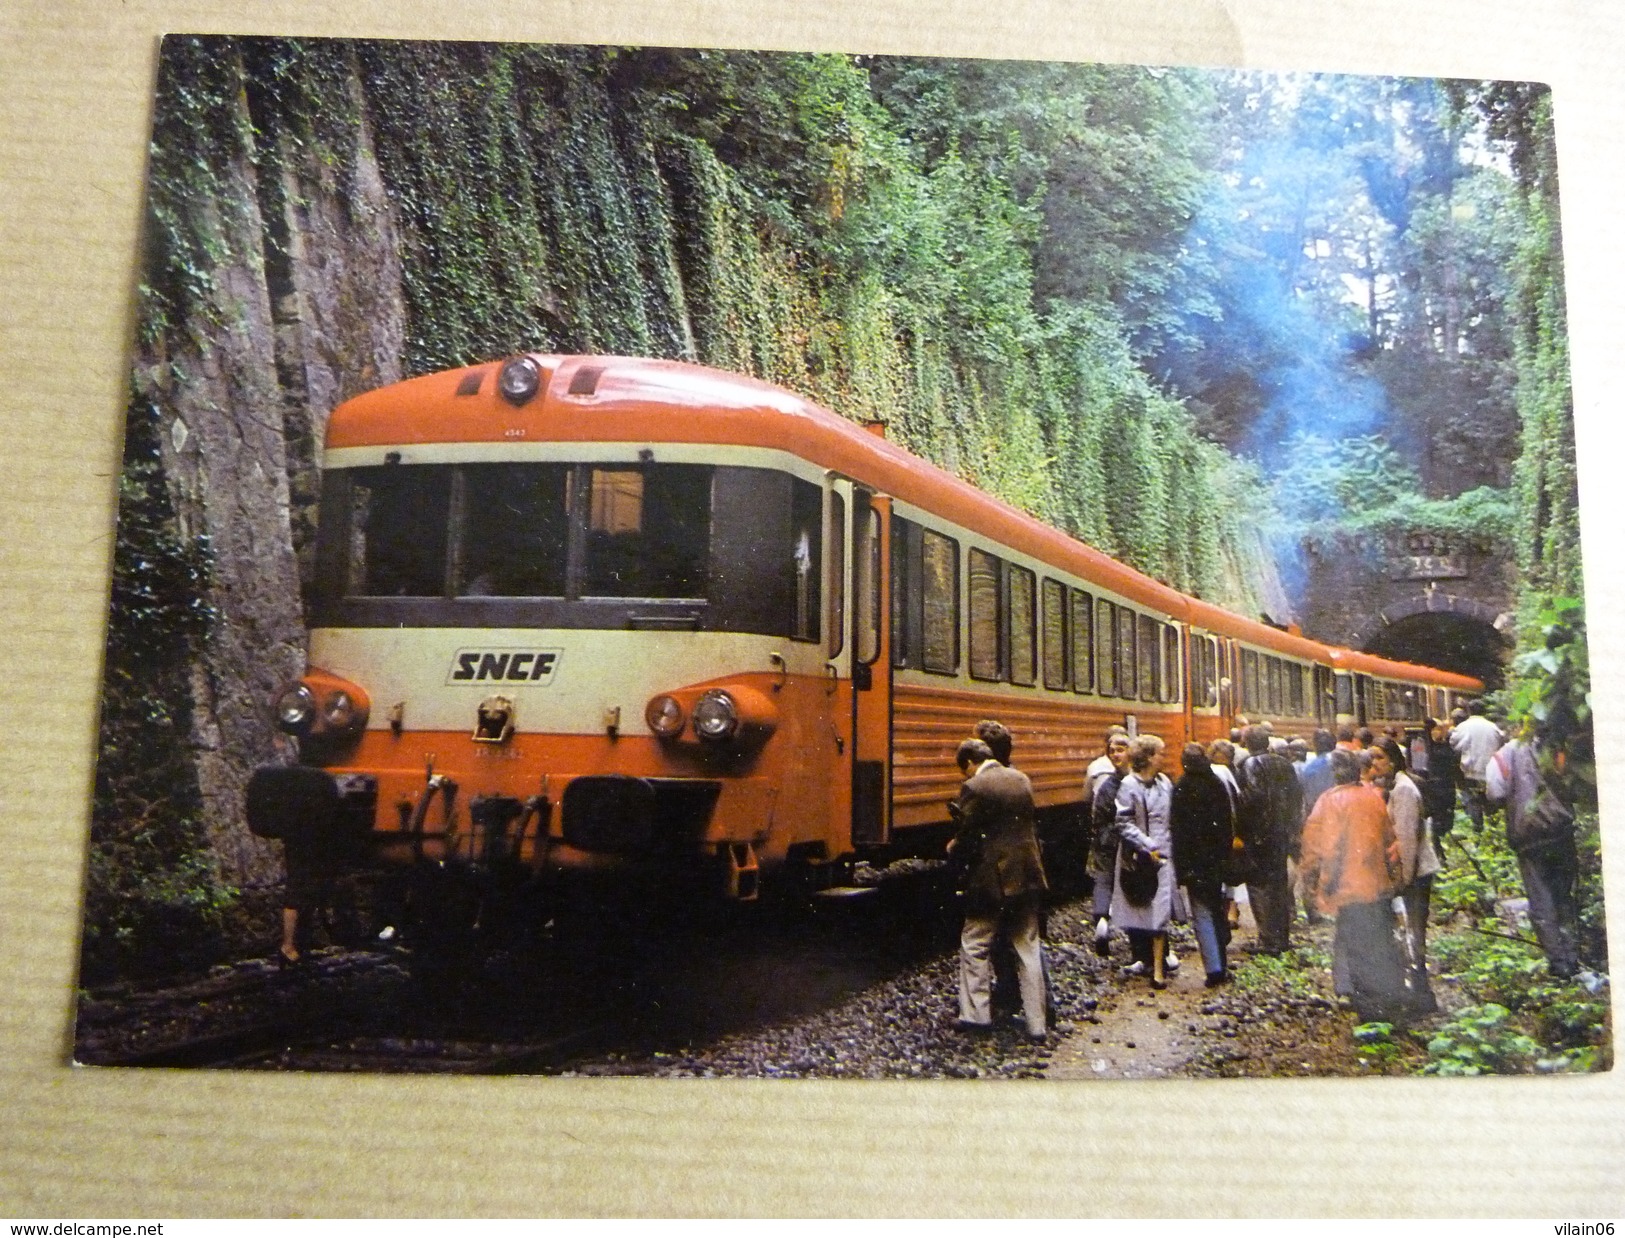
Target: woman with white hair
1144	902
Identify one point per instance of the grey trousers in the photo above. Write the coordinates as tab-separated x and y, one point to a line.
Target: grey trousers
1550	875
1020	925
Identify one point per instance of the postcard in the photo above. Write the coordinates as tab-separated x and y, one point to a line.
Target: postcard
681	562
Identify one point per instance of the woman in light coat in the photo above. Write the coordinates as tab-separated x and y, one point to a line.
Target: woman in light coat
1145	837
1418	862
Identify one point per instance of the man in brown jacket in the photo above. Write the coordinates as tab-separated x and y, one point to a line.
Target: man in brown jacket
1004	882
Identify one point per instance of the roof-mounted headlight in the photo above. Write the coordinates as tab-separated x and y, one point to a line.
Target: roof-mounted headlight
716	717
520	380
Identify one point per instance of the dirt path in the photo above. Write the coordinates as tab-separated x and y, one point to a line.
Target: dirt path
1283	1022
1144	1035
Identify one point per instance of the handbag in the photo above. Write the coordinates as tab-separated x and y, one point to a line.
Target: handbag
1137	875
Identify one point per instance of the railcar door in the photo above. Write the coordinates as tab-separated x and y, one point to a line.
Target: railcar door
838	689
871	668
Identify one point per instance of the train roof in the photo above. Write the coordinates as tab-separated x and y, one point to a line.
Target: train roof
1221	622
632	399
1388	668
639	400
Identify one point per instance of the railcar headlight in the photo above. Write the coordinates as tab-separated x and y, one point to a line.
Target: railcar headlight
338	711
665	717
296	709
519	380
716	717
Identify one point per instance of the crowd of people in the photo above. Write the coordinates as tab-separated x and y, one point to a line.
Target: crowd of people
1352	825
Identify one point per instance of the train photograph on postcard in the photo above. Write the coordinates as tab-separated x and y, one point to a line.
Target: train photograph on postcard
584	615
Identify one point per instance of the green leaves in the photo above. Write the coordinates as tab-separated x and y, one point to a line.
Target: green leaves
1480	1040
1550	695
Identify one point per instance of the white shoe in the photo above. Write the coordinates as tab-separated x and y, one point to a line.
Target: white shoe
1133	969
1170	961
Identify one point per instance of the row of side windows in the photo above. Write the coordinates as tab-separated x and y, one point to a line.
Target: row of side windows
1271	685
1021	629
1394	702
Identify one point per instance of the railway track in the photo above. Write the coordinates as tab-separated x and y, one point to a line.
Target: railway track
587	993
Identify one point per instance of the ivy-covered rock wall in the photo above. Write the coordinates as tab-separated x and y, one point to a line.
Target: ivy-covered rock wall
327	217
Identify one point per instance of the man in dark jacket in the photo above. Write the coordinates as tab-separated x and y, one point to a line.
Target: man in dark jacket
1004	883
1269	819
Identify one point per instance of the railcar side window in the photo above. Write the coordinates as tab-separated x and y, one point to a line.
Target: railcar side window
1345	694
1083	641
837	575
1250	702
1055	642
984	615
1126	662
398	521
1105	659
866	582
940	647
1150	651
905	592
648	532
1211	672
1023	648
1170	662
515	529
807	557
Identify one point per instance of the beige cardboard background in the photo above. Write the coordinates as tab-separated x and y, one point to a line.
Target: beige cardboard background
75	86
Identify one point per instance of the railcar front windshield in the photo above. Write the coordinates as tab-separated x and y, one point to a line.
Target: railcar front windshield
569	544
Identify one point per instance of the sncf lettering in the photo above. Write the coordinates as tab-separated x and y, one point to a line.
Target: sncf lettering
503	665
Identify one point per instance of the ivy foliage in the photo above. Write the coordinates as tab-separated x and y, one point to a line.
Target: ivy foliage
866	231
1363	486
1518	1018
153	890
1550	697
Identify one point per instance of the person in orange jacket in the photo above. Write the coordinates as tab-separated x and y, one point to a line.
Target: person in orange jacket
1350	867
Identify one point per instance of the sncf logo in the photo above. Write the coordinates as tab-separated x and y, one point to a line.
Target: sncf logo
504	665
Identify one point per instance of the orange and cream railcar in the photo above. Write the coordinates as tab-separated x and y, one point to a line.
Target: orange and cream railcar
573	613
1371	691
1244	668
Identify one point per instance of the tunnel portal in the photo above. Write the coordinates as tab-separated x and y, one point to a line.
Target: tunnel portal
1468	644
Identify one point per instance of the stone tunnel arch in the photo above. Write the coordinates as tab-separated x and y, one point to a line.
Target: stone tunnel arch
1447	631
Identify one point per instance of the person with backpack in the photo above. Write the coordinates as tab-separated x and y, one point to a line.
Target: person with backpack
1540	829
1269	821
